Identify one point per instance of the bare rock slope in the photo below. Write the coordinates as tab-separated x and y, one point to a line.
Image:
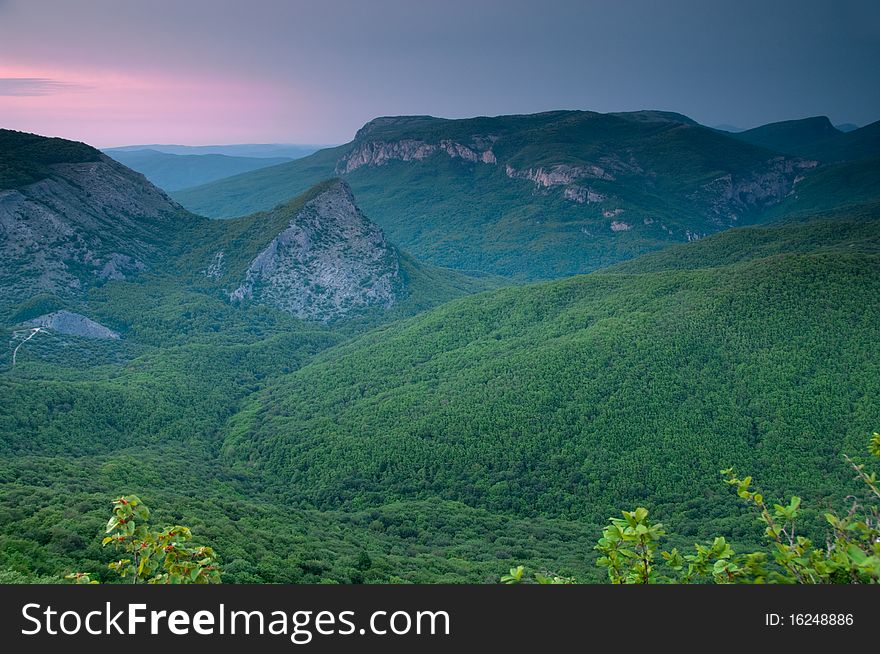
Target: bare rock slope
82	223
73	324
329	261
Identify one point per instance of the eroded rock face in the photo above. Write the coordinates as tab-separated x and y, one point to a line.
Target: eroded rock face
378	153
73	324
329	262
582	194
86	222
560	175
727	197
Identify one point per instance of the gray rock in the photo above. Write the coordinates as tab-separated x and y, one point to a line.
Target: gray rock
73	324
84	223
378	153
330	260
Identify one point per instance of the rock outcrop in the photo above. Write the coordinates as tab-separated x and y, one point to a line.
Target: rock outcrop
73	324
727	197
559	175
582	194
84	222
328	262
378	153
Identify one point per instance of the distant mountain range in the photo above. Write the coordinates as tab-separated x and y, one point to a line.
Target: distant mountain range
172	172
542	195
174	167
256	150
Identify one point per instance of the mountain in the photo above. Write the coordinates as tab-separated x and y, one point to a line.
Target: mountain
316	257
791	136
570	399
534	196
71	217
860	144
247	150
172	172
846	127
817	138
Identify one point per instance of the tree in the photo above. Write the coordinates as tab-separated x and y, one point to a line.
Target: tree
154	556
851	553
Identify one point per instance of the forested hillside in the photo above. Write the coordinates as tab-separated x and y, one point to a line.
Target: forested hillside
451	430
533	196
575	397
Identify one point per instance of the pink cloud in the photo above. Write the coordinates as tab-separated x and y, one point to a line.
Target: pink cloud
105	107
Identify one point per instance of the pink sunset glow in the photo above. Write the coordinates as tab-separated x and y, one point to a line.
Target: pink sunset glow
105	107
292	71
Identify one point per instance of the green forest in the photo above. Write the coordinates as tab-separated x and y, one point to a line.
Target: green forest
493	410
498	429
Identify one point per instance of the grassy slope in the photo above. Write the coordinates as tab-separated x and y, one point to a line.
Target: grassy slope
839	230
262	189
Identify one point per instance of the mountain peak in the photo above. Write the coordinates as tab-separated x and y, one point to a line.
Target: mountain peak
790	136
28	158
328	261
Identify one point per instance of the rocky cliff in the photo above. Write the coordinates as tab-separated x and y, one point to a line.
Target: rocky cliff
728	197
593	170
329	261
83	222
378	153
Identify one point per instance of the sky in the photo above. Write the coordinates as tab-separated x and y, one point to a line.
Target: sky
117	72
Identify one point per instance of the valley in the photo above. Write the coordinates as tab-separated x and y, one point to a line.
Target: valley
441	350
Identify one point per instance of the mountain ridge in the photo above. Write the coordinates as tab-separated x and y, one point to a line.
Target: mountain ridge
816	138
78	219
172	172
566	191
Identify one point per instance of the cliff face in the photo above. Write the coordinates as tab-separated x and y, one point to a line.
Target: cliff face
728	196
377	153
328	262
83	223
597	168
